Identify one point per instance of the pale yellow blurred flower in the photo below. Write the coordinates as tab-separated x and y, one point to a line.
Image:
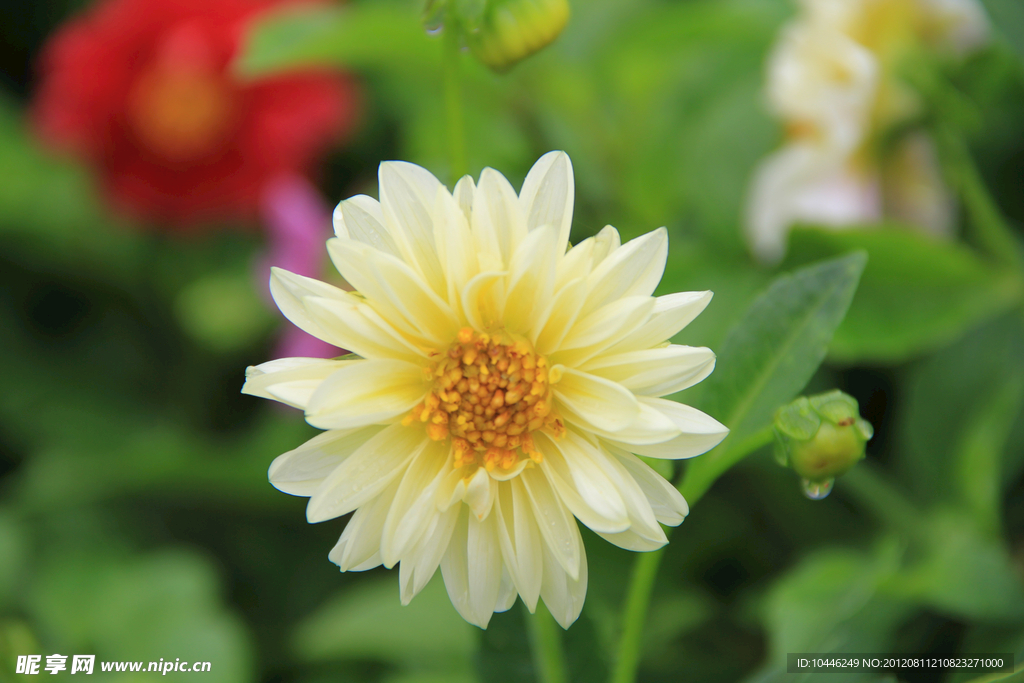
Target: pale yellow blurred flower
833	81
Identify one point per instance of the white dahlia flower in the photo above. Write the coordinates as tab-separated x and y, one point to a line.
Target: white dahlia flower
500	386
834	81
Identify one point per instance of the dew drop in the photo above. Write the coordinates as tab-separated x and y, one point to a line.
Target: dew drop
816	490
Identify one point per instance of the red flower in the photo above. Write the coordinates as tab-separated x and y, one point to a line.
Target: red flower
142	89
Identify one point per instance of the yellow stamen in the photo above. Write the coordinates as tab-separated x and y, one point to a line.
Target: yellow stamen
490	392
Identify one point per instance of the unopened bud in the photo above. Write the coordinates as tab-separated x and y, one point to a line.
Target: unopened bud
820	438
511	30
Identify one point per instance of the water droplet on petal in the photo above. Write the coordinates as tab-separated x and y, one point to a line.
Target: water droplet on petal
816	490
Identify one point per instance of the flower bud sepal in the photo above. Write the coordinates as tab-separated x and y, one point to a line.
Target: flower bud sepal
820	438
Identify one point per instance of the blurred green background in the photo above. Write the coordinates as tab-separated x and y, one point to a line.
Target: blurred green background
136	521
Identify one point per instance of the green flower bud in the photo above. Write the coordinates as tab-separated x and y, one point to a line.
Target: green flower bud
508	31
820	438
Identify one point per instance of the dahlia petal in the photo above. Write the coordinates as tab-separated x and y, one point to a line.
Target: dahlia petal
655	372
582	484
354	325
700	432
291	381
547	196
563	594
581	259
531	279
472	570
506	592
641	517
451	490
595	400
365	473
602	329
578	262
485	568
455	569
556	526
479	496
300	471
529	545
407	194
520	540
454	247
635	509
667	502
364	392
358	549
559	316
606	242
290	291
415	506
463	193
635	269
395	290
360	218
417	570
480	299
633	541
497	217
671	313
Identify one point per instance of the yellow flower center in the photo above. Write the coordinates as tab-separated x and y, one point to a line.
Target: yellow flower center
181	113
490	391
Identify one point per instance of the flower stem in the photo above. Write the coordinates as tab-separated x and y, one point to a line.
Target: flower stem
992	233
546	644
641	586
453	99
645	570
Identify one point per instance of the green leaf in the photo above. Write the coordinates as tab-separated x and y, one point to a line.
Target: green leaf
1008	17
917	293
834	600
369	622
224	311
50	210
964	572
141	609
945	398
367	35
979	453
770	356
953	565
14	553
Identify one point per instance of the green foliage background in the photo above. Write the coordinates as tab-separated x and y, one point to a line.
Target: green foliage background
136	521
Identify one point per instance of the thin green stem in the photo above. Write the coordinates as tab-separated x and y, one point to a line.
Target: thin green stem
645	571
641	586
546	645
990	229
453	99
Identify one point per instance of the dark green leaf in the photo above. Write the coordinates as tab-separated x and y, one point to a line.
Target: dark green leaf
979	452
917	293
367	35
943	401
770	355
140	608
964	573
1008	17
833	601
369	622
